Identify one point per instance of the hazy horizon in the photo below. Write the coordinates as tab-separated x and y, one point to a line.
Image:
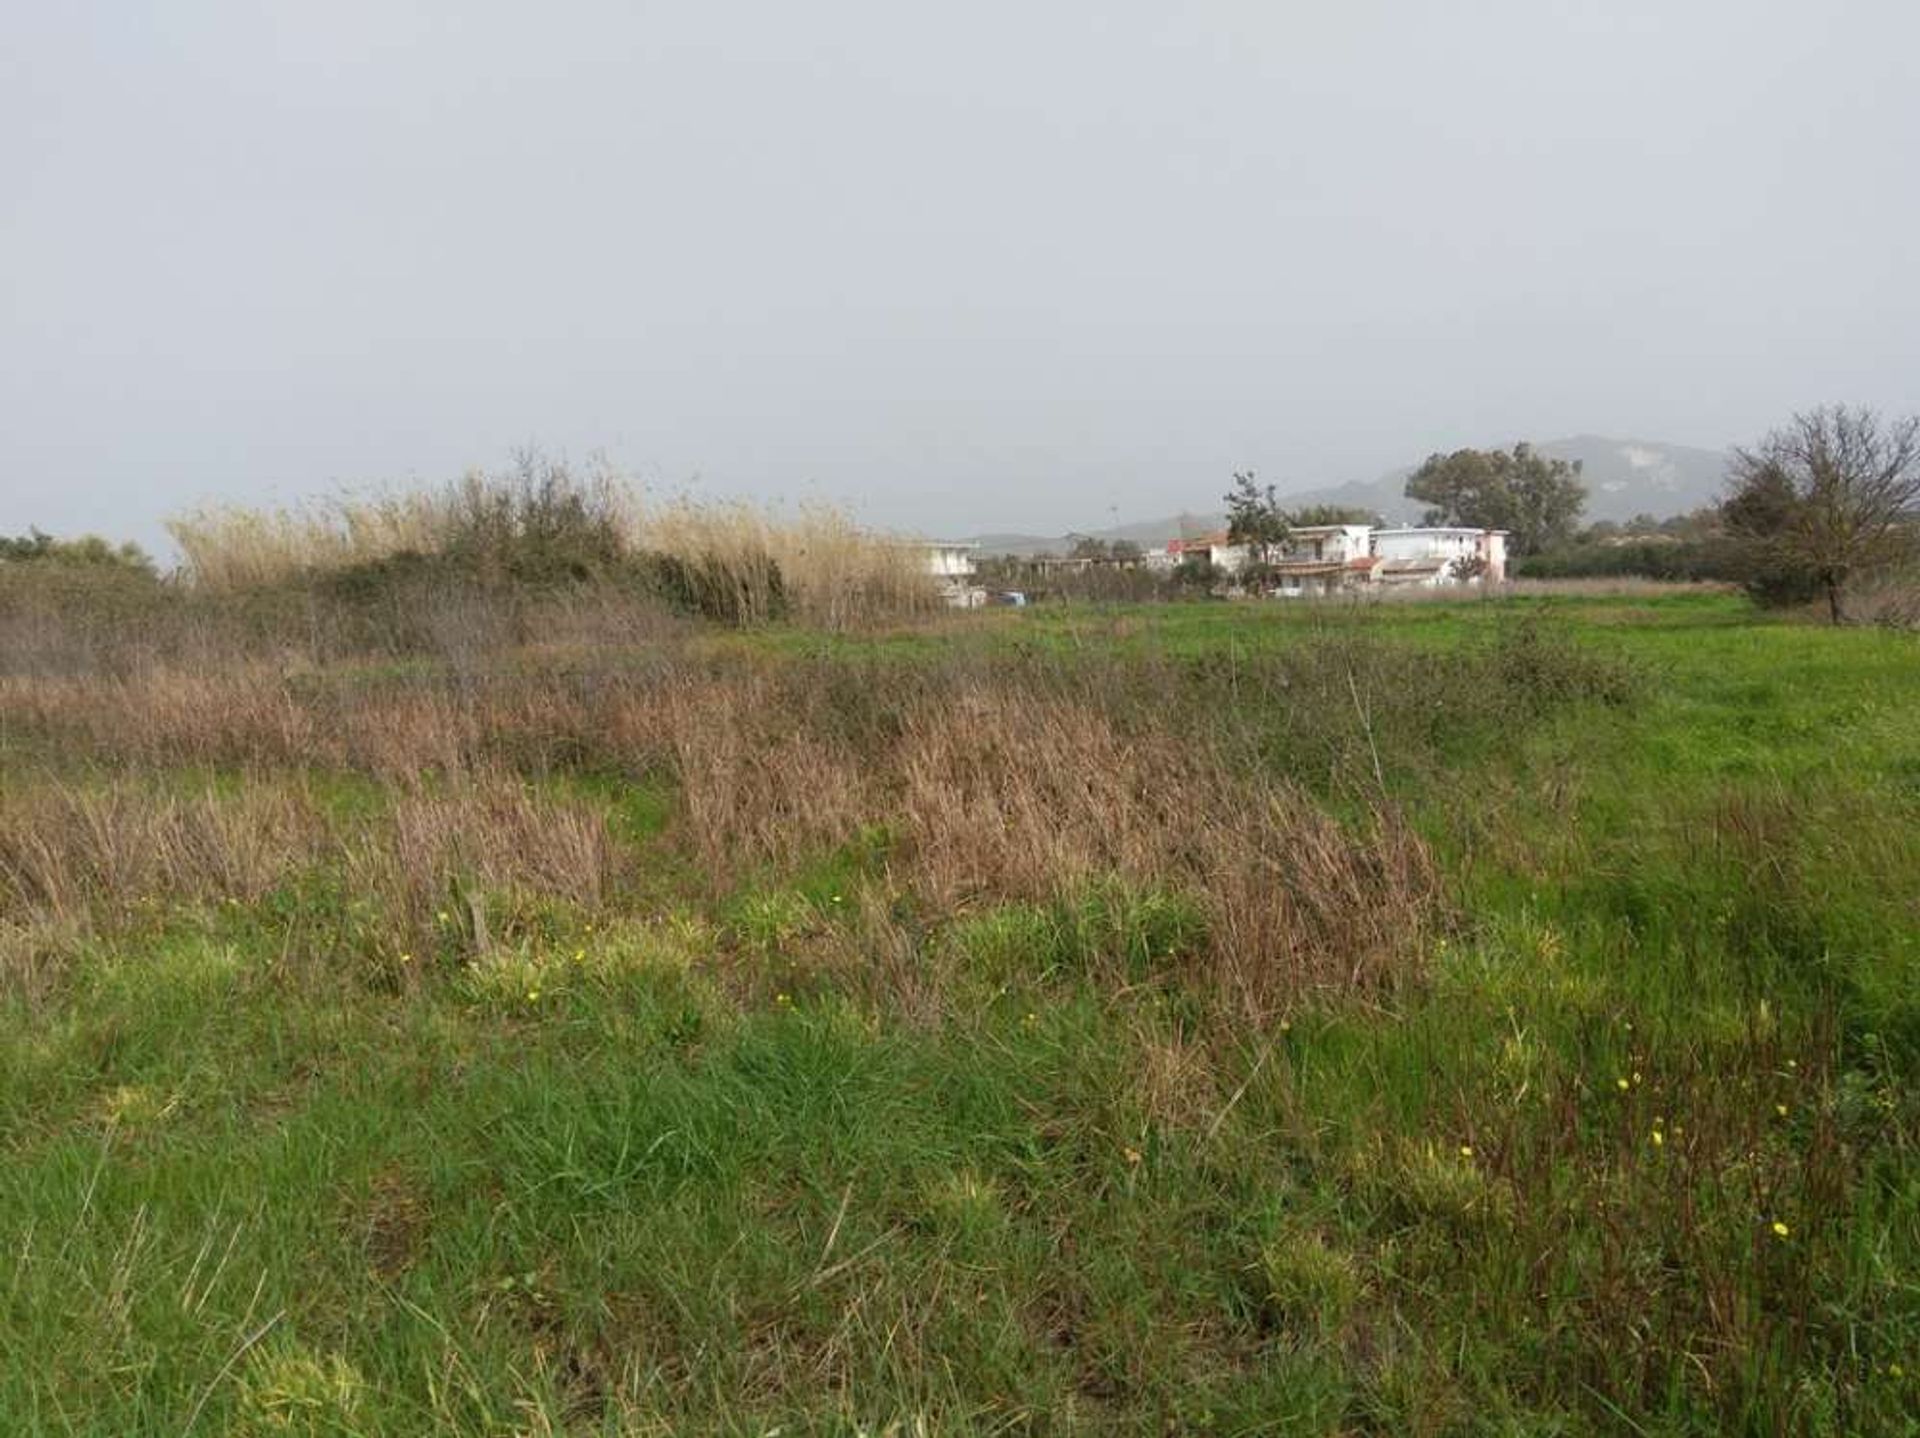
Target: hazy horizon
968	271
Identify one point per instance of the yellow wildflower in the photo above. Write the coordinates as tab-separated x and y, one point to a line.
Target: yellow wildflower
1780	1230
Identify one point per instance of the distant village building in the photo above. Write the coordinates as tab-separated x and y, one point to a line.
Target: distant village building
1320	558
1449	555
951	564
1324	558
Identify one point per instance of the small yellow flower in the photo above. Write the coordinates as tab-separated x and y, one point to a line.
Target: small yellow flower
1621	1084
782	1000
1659	1138
1780	1109
1896	1370
406	958
441	917
1133	1155
1466	1150
1793	1063
579	956
1780	1230
533	996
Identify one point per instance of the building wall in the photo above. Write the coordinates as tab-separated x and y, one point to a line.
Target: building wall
1494	551
1446	544
1228	558
1427	543
1336	544
950	561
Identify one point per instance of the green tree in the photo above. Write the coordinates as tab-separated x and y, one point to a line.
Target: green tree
1255	519
1195	574
88	550
1828	497
1312	514
1536	499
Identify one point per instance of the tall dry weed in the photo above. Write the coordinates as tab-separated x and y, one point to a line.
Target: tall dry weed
542	521
1007	795
67	852
489	835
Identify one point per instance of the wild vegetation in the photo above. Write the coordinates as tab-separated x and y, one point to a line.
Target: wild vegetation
472	987
543	525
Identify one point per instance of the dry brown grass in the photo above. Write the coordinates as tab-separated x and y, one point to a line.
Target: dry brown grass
67	853
994	793
1008	794
490	835
1891	600
991	785
424	871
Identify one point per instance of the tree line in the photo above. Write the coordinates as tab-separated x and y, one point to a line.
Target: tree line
1821	503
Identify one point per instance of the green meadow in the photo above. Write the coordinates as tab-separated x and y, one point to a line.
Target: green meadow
1493	1016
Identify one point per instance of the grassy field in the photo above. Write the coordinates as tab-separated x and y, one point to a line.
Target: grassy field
1479	1017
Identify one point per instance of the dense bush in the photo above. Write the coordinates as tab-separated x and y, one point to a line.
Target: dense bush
88	551
1681	560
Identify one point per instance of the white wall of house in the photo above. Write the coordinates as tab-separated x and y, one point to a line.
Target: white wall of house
951	566
1446	544
1330	543
1229	558
949	561
1493	548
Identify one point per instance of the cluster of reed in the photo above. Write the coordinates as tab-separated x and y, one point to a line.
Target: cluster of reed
815	563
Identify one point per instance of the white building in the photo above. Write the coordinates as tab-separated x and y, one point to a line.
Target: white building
1440	555
951	564
1324	558
1320	558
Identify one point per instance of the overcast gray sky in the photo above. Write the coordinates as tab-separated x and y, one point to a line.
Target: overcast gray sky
965	267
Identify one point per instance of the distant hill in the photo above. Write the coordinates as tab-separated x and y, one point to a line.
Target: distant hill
1624	477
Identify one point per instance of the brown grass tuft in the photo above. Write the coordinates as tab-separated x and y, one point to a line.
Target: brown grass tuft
66	852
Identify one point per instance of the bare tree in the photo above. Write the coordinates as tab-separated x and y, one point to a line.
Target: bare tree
1832	495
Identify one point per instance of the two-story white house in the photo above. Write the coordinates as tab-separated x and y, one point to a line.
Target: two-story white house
951	565
1320	558
1442	554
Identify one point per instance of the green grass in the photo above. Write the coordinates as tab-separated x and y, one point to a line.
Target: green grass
683	1165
